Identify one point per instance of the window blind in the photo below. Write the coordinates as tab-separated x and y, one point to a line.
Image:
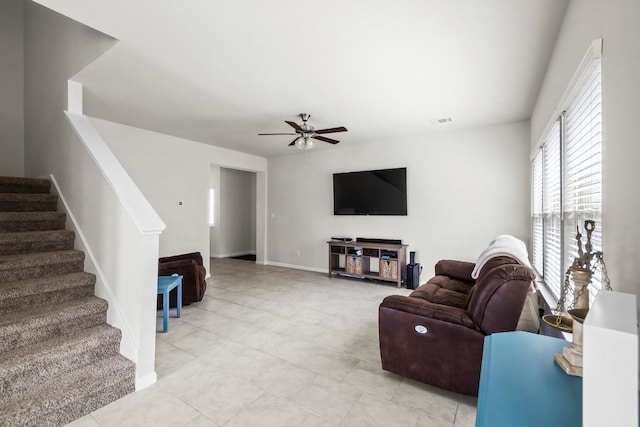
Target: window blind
537	220
566	184
583	166
552	213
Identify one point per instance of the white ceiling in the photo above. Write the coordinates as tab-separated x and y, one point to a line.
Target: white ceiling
222	71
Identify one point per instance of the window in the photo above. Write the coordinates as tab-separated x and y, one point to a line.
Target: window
211	206
566	179
547	213
583	166
537	220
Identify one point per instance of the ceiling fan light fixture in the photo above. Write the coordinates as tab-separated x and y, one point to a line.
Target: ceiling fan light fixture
304	143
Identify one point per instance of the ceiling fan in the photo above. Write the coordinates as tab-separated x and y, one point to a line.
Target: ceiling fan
306	133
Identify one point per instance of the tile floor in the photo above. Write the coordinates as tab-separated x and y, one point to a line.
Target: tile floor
270	346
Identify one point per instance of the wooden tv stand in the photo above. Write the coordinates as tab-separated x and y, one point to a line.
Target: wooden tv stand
379	261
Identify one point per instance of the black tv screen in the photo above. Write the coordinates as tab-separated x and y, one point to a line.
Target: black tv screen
376	192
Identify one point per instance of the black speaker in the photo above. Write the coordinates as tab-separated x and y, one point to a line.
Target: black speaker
385	241
412	257
413	275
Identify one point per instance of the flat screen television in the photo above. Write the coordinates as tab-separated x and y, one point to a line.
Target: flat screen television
375	192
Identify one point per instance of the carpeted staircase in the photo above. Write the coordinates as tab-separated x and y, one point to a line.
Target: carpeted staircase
59	360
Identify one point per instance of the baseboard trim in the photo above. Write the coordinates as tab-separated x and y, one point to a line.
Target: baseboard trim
274	263
232	254
294	266
146	381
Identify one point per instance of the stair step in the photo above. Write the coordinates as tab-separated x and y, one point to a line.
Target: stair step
59	359
36	241
11	222
23	369
20	202
39	264
23	294
13	184
64	399
36	324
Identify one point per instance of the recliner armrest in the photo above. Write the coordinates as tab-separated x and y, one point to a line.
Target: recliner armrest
460	270
425	308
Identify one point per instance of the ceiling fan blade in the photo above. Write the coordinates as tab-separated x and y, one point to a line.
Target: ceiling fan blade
325	139
293	142
294	125
277	134
331	130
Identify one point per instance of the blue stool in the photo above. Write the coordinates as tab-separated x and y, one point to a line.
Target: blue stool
165	285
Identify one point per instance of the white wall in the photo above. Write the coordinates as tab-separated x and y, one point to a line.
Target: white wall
169	170
464	189
11	88
56	48
123	259
616	22
236	222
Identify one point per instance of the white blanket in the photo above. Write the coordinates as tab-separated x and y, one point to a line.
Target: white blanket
503	245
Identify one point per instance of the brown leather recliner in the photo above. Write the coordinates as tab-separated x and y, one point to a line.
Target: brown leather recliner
190	266
436	334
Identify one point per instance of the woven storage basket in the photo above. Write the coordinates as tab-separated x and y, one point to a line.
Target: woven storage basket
389	268
354	265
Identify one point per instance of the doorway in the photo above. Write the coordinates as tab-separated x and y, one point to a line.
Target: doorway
233	213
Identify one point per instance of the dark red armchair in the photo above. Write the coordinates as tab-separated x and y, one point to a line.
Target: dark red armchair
191	267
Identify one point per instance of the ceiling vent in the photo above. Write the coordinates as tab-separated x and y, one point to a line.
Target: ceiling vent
441	121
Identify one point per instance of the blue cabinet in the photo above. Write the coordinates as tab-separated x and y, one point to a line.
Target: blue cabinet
521	385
